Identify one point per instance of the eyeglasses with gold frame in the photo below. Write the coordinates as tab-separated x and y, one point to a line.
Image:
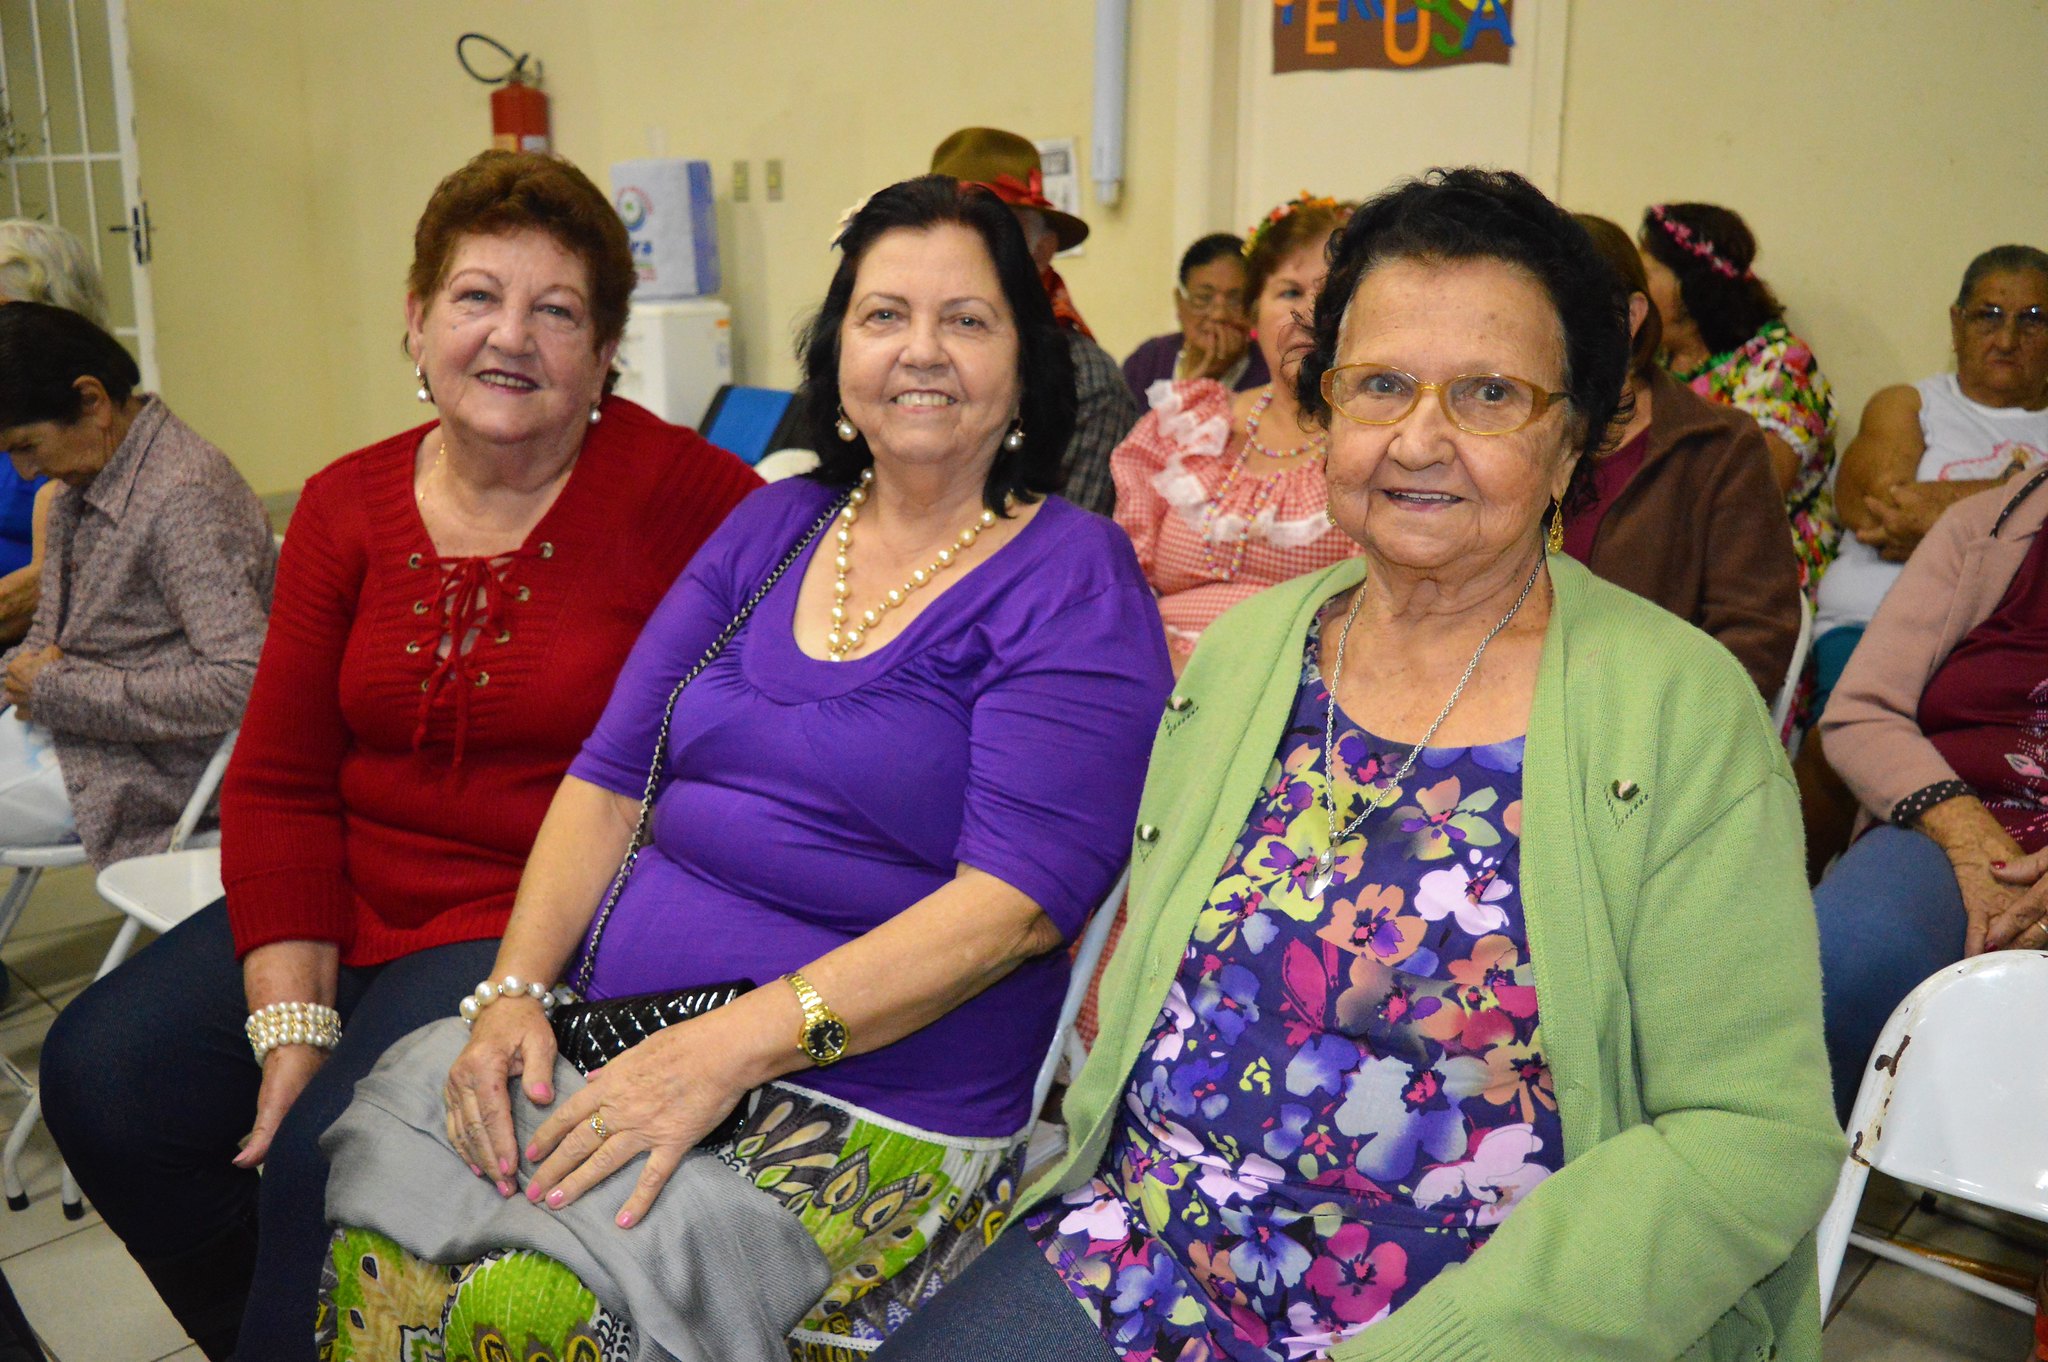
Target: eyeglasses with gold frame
1374	394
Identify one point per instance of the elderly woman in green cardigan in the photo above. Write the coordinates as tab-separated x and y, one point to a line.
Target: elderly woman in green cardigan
1469	1006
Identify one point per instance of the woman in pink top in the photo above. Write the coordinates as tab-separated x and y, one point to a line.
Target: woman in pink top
1223	492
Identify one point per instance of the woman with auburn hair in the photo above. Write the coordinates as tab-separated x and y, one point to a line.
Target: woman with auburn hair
871	765
451	606
1725	337
1221	491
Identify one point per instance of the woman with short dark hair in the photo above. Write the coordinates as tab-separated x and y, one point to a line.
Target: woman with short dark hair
1681	509
1419	1043
886	802
452	604
144	643
1214	310
1725	336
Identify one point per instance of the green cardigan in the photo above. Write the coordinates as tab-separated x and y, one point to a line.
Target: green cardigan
1677	969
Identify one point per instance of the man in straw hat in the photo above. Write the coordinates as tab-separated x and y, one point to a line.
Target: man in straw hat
1007	165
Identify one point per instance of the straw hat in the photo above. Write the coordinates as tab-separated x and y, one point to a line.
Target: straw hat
1007	165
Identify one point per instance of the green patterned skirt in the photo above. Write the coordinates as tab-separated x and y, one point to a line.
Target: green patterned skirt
897	1211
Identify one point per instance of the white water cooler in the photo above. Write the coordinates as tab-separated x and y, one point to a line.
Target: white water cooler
675	355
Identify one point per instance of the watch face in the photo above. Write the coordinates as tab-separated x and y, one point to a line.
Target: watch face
825	1039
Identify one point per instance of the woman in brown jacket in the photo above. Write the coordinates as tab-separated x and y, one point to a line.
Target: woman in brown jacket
155	595
1684	510
1940	727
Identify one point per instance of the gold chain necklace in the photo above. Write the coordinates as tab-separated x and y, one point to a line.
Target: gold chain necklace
845	637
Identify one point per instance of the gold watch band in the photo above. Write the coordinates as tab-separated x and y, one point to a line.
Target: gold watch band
823	1037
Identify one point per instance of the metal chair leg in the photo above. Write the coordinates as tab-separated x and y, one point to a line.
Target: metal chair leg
74	1200
10	1159
18	890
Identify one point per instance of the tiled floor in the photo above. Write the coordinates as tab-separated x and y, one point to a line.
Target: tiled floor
90	1304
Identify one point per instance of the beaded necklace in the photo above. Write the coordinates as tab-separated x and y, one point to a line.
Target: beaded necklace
1262	494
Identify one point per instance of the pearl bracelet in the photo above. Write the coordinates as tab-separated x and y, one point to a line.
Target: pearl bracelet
511	985
292	1023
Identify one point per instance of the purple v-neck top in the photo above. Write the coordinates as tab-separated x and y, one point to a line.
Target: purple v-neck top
808	801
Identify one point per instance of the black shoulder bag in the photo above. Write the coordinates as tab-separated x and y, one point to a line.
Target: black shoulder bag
591	1034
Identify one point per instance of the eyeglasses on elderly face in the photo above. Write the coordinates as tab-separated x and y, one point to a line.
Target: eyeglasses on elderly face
1210	299
1478	404
1991	319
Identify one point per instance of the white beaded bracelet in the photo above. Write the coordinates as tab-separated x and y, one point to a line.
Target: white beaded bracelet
292	1023
488	992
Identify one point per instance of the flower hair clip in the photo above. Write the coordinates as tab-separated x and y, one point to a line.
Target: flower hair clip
1299	202
1694	245
846	220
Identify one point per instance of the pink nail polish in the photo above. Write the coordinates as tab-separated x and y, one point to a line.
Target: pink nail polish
1998	865
555	1199
475	1171
625	1220
504	1189
505	1167
533	1193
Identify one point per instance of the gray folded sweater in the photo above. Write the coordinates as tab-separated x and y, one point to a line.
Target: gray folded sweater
717	1272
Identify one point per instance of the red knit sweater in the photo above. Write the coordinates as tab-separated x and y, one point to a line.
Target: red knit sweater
385	797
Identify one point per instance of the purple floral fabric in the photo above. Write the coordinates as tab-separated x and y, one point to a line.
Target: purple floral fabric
1342	1096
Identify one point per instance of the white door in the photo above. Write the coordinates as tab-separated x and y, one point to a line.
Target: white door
67	146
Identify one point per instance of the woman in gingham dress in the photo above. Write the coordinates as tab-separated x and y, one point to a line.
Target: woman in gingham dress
1223	492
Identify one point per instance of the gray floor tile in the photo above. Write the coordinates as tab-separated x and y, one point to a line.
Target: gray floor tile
1897	1315
89	1301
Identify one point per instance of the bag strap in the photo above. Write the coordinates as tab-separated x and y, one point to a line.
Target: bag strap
588	962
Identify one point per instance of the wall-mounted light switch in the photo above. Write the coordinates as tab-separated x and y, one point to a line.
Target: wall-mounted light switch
773	175
742	186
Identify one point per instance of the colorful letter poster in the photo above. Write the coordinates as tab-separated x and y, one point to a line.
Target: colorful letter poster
1390	35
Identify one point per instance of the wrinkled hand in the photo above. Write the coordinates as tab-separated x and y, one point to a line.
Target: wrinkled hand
510	1038
1901	517
2023	923
22	673
659	1098
1213	347
286	1071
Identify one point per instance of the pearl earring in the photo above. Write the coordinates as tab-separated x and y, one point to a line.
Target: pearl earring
1014	441
595	414
423	394
845	428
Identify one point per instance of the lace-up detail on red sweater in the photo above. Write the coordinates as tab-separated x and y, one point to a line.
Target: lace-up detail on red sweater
413	714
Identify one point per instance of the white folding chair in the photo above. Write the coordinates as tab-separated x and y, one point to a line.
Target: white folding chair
1952	1101
1048	1138
785	463
153	895
1781	708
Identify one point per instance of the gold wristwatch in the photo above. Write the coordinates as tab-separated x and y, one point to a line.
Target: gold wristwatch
823	1037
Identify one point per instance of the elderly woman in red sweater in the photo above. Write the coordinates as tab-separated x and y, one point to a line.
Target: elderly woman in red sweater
452	606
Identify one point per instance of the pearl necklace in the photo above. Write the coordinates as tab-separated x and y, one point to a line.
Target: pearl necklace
1262	495
846	638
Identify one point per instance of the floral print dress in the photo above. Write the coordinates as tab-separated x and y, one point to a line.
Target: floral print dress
1342	1095
1774	377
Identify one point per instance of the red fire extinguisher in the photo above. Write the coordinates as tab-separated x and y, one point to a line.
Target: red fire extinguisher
519	109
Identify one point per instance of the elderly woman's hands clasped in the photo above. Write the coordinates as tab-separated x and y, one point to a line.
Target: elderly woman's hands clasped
2005	891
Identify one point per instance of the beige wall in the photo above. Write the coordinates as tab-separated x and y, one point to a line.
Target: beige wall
1873	147
287	148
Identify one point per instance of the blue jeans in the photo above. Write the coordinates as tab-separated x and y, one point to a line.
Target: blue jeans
1890	916
148	1086
1008	1306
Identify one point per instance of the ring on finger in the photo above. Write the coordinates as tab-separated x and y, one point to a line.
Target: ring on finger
597	1124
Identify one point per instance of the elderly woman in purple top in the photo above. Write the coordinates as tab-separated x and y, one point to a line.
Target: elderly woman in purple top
889	802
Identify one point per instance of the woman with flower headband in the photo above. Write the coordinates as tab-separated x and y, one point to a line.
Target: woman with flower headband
1725	334
1223	492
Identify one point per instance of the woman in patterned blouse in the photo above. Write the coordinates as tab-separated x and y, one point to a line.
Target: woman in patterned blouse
1725	334
1223	492
1420	1042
